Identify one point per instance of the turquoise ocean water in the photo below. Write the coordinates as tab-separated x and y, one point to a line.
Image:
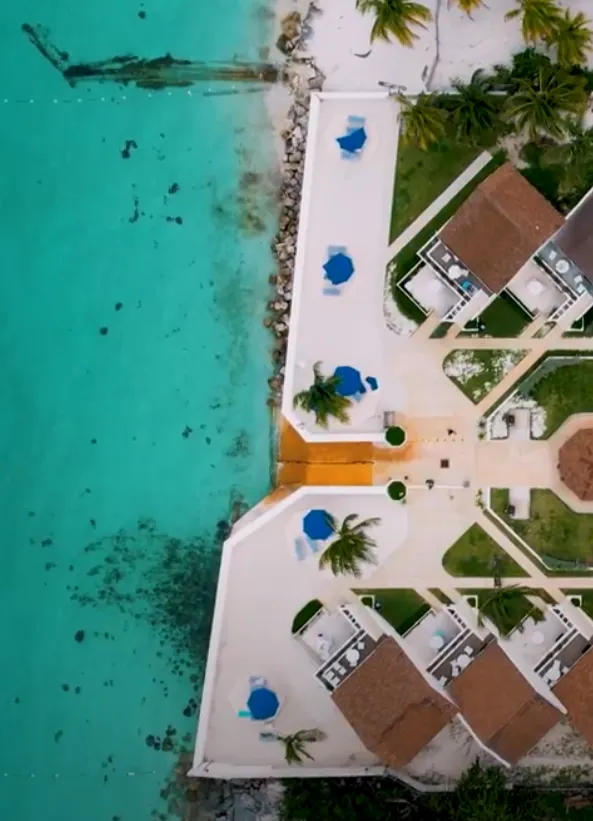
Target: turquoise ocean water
132	397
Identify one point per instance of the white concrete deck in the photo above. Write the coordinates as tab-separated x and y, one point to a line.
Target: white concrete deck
262	586
345	202
536	289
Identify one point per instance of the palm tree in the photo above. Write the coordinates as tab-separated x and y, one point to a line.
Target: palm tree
323	399
395	17
572	39
575	156
539	106
351	548
467	5
539	18
503	605
473	109
294	744
423	122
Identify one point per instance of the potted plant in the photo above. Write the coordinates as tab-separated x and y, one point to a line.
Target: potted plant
395	436
397	491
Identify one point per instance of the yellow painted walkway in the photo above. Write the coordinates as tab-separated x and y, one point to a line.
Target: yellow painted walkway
336	463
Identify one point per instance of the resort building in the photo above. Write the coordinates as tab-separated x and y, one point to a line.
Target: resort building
507	236
458	630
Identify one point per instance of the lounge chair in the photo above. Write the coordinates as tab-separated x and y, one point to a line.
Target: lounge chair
300	549
331	290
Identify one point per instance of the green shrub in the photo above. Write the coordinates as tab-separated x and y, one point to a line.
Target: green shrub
396	491
395	436
305	614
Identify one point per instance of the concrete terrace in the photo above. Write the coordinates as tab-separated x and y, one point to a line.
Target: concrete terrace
346	202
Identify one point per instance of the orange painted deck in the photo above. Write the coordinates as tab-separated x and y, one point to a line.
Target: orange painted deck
339	463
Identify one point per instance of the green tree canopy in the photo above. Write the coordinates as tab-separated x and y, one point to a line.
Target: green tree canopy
351	548
422	121
323	399
538	18
540	106
395	18
572	39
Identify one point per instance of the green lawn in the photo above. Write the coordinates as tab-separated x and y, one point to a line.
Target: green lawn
422	175
587	599
442	597
477	554
477	372
518	607
563	391
403	263
504	318
401	607
563	538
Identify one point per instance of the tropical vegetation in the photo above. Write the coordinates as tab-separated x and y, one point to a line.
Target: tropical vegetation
506	607
295	744
482	794
540	107
422	122
395	18
539	18
574	155
352	546
473	109
468	6
323	399
305	614
571	38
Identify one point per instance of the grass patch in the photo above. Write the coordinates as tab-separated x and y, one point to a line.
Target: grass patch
582	327
440	331
517	609
422	175
477	554
438	594
587	600
476	372
401	607
407	258
504	318
562	391
563	538
305	614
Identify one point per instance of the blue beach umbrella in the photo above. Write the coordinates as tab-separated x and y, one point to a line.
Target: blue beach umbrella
352	142
316	525
263	704
350	381
339	268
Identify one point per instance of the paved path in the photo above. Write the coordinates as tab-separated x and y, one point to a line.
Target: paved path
550	342
437	205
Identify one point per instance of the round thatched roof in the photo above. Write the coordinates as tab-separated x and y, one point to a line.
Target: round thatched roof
575	464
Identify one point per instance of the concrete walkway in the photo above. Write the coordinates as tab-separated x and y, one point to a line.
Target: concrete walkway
437	205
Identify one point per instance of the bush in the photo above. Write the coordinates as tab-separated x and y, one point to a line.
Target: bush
305	614
396	491
395	436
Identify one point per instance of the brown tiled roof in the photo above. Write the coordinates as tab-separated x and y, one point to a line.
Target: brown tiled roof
499	227
575	691
500	705
575	238
391	707
575	463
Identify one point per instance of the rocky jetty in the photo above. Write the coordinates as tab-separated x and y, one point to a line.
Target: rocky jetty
301	76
